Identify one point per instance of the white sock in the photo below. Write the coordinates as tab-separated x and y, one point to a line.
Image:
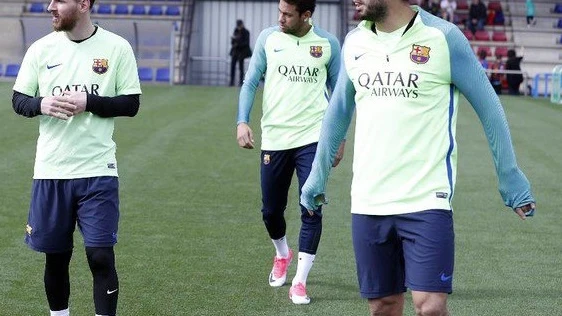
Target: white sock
303	268
281	247
64	312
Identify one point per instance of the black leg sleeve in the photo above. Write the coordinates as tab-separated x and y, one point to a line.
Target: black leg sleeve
57	280
106	284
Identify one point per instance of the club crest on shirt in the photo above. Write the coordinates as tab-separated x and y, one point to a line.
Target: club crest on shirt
100	66
28	229
266	159
316	51
419	54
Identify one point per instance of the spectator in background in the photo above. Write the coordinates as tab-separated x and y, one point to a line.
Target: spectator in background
496	77
482	54
530	13
448	8
477	15
240	41
513	80
434	7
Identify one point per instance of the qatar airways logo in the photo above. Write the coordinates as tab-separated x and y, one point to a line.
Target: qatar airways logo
91	89
390	84
297	73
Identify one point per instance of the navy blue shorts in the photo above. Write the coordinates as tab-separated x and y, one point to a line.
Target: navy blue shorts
58	205
397	252
277	169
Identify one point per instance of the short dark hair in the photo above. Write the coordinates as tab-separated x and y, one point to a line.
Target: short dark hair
239	22
303	5
511	53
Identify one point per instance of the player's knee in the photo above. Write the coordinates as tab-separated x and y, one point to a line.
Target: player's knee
100	258
435	306
272	215
390	305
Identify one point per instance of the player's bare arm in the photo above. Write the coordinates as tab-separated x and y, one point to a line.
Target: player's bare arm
245	136
57	106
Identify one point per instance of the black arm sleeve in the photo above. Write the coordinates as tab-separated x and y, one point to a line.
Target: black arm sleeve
121	105
26	105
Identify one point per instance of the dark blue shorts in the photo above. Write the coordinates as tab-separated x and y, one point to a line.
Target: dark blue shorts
58	205
277	169
397	252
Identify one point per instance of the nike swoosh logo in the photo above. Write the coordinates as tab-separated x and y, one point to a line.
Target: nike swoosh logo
53	66
111	292
277	50
359	56
445	278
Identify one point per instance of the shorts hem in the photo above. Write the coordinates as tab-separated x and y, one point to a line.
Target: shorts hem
103	245
47	250
431	289
372	295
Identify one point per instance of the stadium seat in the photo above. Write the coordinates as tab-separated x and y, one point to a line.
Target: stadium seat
485	48
558	8
559	25
138	9
37	7
482	36
501	51
1	68
462	5
121	9
104	9
172	10
12	70
494	5
145	74
155	10
499	36
163	74
468	34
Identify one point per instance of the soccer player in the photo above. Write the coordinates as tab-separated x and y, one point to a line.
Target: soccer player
300	63
403	69
76	79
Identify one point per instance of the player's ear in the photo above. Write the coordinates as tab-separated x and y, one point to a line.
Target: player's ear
306	16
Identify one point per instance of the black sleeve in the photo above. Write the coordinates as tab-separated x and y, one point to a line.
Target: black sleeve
121	105
26	105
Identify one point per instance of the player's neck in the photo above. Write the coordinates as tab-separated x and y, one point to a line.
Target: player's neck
83	29
399	15
304	30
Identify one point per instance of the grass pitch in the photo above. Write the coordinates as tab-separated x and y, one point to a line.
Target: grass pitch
191	239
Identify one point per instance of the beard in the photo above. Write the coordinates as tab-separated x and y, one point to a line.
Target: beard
66	24
376	12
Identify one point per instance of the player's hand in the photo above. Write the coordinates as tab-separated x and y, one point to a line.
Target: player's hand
311	199
525	211
57	106
339	154
245	136
78	99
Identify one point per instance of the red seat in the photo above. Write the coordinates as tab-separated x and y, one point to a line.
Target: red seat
494	5
482	36
486	48
501	51
468	34
499	37
462	5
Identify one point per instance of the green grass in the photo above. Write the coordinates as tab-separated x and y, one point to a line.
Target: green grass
191	239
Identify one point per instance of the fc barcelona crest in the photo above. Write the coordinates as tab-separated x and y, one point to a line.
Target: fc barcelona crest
100	66
419	54
266	159
316	51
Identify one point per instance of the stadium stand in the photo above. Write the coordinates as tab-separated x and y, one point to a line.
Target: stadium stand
12	70
145	74
37	7
163	74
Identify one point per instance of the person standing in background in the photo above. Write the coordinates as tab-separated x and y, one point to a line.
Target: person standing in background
530	6
76	80
240	50
513	80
